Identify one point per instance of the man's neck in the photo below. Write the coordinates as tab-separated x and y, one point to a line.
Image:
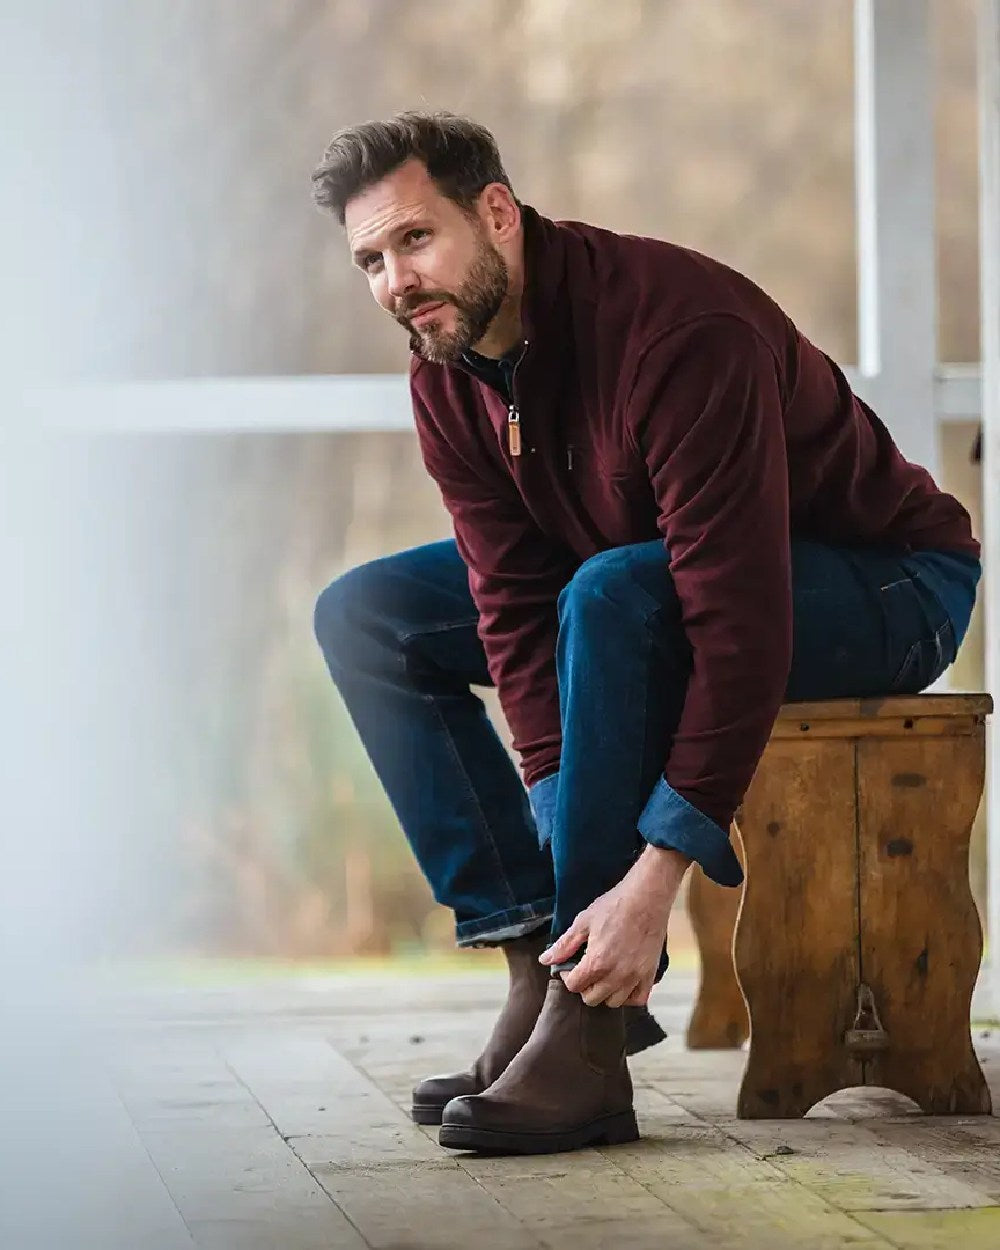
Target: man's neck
503	335
505	331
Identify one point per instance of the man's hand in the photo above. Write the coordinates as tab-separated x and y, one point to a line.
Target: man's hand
625	930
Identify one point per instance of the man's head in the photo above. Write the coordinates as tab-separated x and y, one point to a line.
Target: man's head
433	224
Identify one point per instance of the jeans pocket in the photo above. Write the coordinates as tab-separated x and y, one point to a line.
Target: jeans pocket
946	649
925	661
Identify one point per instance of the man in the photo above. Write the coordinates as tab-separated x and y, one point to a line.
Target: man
671	514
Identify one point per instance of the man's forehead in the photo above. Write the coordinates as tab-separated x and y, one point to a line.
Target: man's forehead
382	220
405	195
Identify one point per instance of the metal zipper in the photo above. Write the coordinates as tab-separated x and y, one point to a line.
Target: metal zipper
513	431
513	412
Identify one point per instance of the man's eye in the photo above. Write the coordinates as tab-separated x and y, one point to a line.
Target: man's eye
370	262
413	235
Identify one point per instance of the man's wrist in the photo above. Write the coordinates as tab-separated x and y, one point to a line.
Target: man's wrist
664	867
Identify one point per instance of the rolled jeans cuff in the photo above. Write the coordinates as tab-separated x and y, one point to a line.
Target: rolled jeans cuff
542	798
670	821
505	926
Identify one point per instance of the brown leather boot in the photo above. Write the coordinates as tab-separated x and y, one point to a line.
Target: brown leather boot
568	1087
528	979
528	982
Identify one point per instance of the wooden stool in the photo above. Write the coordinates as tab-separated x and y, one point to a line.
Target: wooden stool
857	942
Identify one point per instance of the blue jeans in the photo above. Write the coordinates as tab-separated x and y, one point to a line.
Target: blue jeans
399	638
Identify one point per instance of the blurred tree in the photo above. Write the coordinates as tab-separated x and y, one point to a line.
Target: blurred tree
725	126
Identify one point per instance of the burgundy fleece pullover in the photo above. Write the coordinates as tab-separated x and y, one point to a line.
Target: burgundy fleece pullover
660	392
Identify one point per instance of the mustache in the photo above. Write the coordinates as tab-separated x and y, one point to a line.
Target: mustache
407	307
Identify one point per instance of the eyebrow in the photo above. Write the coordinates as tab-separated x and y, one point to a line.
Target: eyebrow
362	253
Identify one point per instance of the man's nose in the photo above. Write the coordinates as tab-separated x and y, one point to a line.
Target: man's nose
400	275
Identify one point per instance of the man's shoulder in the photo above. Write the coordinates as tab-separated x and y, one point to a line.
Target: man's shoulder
610	246
673	276
650	286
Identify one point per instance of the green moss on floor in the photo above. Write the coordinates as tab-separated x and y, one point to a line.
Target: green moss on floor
216	971
973	1228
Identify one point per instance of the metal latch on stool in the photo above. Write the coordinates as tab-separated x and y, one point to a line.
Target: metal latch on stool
867	1037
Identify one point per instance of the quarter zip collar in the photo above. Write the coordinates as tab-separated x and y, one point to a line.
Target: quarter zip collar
544	277
544	307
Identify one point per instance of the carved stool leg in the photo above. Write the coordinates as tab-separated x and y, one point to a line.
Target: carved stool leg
719	1020
921	941
858	942
796	947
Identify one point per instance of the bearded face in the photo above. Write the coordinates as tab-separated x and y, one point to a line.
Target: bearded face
441	269
442	323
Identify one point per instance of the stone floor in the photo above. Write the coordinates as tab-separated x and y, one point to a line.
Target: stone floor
274	1115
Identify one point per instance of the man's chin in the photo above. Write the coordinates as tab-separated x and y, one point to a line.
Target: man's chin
437	349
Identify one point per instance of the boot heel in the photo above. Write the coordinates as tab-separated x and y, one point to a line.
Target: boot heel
619	1130
426	1113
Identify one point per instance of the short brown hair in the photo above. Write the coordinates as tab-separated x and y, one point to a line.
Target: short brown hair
461	157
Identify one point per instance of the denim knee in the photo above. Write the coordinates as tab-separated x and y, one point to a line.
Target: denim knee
606	581
344	612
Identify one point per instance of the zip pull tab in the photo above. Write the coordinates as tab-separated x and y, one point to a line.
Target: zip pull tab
569	457
513	431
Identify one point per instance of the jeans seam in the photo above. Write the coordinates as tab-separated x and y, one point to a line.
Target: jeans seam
435	629
904	669
432	701
527	910
940	634
640	840
463	773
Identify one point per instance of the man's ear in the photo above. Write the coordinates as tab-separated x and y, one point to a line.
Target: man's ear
500	212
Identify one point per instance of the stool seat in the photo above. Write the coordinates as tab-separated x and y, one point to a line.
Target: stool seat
857	942
926	708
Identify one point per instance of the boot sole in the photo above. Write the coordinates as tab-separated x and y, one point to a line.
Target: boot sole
612	1130
641	1032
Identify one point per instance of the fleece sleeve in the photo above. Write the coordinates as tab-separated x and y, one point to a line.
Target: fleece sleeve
707	415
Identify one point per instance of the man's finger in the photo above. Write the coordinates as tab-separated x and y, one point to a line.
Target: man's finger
598	993
620	997
592	970
586	973
566	946
640	995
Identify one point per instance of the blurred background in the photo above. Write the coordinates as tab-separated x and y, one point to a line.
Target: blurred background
192	787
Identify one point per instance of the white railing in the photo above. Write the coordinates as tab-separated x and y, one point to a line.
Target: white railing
347	403
988	43
897	304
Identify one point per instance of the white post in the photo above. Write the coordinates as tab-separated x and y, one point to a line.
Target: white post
894	168
989	242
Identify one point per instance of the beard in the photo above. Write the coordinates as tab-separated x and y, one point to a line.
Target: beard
476	302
